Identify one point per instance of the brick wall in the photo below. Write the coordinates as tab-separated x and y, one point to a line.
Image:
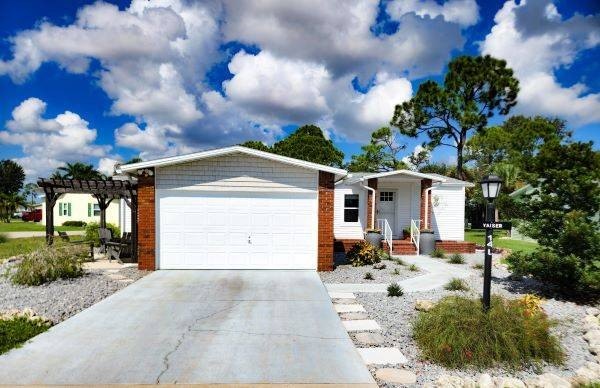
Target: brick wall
425	184
373	184
344	245
325	236
146	223
456	246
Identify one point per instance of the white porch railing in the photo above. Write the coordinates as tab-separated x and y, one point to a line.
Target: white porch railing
382	224
415	233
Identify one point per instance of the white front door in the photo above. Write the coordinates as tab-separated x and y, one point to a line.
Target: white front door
225	230
387	209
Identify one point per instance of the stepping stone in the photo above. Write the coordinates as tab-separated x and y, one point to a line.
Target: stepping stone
382	356
348	308
361	325
396	376
345	301
340	295
351	316
369	338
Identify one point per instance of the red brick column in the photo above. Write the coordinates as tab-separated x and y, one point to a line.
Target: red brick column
325	233
369	220
425	184
146	223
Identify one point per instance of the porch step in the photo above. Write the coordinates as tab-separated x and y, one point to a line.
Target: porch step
402	247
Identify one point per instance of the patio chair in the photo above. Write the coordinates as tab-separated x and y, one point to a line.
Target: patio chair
120	249
105	235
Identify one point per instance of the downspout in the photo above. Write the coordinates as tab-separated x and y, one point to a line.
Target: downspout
427	193
372	190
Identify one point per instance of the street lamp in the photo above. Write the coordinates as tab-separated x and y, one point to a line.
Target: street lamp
490	186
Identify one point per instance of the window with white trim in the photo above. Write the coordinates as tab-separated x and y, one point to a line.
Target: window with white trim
351	207
64	209
386	196
96	210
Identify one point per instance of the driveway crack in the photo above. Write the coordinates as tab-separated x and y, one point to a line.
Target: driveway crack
182	338
265	334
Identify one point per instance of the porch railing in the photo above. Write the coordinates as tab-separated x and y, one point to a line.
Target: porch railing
384	226
415	233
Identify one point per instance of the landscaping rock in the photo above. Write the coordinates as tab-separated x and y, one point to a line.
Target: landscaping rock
593	367
424	305
592	311
379	266
591	320
549	380
369	338
396	376
485	381
446	381
508	382
592	336
353	316
584	375
345	301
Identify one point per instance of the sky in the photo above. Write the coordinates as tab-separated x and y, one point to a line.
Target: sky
102	82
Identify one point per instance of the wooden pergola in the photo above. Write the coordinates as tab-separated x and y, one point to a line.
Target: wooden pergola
105	191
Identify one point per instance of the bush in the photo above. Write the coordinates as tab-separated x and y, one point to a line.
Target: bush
3	238
16	331
363	253
48	264
413	268
399	261
456	284
369	276
394	289
477	266
457	332
74	223
457	258
91	232
438	253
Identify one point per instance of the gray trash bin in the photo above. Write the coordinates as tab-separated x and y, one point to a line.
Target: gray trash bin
374	238
427	242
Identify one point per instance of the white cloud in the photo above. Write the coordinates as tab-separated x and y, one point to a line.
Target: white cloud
416	151
535	41
107	165
48	143
463	12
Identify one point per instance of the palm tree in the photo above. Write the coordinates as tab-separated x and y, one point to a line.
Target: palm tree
30	192
9	204
509	173
77	170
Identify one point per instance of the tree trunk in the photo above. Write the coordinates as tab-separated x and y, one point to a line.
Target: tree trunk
459	161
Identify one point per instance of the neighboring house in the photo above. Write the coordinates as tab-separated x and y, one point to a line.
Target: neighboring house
239	208
84	207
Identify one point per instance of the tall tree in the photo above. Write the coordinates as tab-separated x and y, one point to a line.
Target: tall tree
12	177
475	88
257	145
78	170
29	192
9	202
308	143
380	154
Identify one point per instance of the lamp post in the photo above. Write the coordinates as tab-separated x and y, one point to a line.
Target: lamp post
490	186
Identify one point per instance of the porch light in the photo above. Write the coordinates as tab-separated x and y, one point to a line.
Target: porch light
490	186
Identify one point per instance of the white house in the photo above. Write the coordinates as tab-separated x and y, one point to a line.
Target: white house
239	208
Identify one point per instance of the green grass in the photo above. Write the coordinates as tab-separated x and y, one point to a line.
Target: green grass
478	236
456	258
16	331
438	253
20	246
413	268
394	289
20	226
456	284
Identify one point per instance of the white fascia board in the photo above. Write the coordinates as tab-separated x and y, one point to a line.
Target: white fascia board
226	151
395	172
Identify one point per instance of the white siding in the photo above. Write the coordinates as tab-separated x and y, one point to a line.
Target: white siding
237	172
415	210
124	216
79	209
448	212
348	230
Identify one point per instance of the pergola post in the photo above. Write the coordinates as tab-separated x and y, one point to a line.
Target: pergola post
51	198
103	203
133	206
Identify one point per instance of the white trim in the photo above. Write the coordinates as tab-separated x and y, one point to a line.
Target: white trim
229	150
352	179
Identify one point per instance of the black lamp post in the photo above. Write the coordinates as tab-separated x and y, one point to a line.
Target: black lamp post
490	186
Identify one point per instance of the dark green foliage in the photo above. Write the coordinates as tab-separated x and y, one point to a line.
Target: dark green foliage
91	232
413	268
456	284
48	264
456	258
399	261
475	88
135	159
381	154
3	238
438	253
396	271
369	276
308	143
74	223
394	289
16	331
457	332
78	170
478	266
363	253
257	145
12	177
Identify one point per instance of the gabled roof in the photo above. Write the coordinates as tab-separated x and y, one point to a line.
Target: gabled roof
452	181
356	177
228	151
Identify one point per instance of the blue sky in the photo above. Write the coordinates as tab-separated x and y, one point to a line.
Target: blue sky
105	81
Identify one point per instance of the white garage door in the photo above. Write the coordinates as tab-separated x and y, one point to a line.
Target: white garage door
237	231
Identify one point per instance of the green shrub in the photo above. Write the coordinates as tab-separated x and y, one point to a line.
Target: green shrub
369	276
394	289
399	261
16	331
457	332
48	264
74	223
438	253
363	253
3	238
413	268
91	232
456	284
477	266
457	258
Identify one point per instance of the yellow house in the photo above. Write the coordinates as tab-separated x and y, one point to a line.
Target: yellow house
84	207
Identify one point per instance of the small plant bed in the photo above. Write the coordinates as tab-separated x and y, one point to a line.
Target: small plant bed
346	273
16	328
456	285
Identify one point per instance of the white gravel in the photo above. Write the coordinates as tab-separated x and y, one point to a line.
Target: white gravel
62	298
395	315
346	273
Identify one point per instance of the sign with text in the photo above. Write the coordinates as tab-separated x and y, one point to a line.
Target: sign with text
497	225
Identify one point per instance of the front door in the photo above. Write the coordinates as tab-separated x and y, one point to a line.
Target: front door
387	209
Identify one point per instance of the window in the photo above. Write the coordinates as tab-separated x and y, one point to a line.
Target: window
96	210
351	208
64	209
93	209
386	196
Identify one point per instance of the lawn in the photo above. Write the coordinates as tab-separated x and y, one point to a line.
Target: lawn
20	226
478	236
17	246
15	332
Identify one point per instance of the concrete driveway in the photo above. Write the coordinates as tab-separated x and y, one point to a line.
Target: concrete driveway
198	327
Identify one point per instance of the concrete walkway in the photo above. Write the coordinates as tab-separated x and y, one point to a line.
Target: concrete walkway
40	234
438	274
198	327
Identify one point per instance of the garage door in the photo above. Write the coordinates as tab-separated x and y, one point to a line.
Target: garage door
228	230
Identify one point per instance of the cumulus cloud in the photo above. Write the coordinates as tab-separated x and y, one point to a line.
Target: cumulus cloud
463	12
49	143
416	151
535	41
107	165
